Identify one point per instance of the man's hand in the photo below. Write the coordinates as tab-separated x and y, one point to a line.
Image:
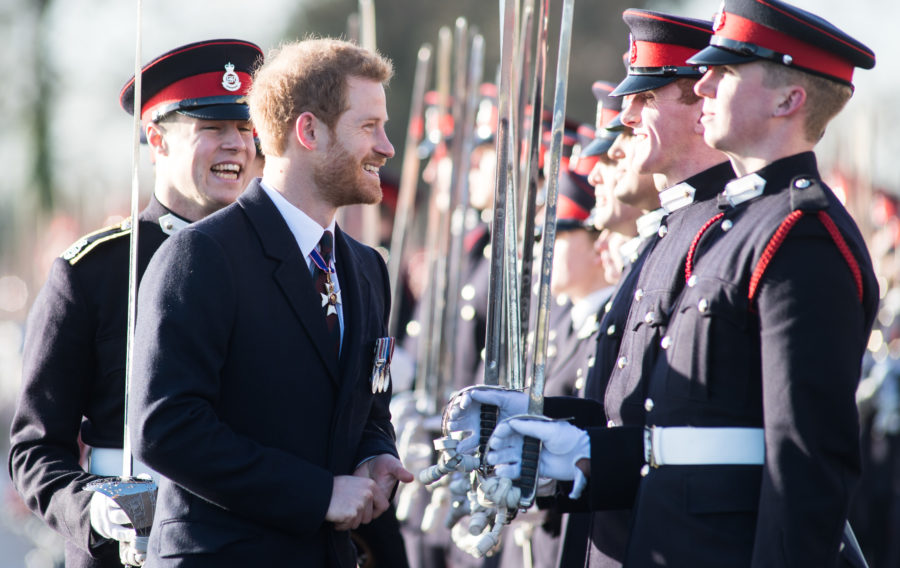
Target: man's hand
464	413
386	471
353	500
563	447
109	520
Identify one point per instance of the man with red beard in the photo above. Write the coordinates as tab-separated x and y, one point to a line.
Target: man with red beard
262	390
196	122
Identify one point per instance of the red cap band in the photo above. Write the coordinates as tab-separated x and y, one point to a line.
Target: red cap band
194	87
804	55
649	54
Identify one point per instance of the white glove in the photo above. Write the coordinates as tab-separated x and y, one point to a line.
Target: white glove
464	413
109	520
562	446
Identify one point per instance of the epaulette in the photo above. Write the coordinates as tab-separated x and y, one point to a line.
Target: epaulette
808	194
88	242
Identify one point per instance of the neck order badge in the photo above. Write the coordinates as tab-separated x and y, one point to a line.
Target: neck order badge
330	297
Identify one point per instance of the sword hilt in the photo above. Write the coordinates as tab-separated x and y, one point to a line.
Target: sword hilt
489	416
528	476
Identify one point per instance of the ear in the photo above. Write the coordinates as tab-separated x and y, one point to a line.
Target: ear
307	130
155	140
793	97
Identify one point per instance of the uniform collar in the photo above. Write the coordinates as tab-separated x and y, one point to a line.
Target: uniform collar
588	306
677	196
744	188
771	179
648	223
169	222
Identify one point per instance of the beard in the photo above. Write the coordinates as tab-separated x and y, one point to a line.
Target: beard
342	180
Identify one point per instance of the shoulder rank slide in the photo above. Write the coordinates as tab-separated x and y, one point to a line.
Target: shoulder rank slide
87	243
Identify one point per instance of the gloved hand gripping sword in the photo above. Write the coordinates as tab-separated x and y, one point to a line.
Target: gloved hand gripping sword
135	496
512	495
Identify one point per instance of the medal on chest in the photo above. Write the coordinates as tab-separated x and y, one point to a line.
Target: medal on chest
381	370
331	297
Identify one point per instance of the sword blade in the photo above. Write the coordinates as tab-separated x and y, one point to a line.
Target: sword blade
409	180
548	238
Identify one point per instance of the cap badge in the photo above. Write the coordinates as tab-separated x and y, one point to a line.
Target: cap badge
632	49
719	20
230	80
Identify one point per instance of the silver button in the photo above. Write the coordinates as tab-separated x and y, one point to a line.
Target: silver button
579	372
622	362
467	313
650	316
692	281
611	329
608	306
611	424
703	305
802	183
467	292
663	231
638	294
787	59
666	342
551	335
648	404
579	383
645	470
727	224
591	361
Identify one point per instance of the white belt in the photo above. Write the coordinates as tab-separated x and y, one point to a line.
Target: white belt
686	445
108	463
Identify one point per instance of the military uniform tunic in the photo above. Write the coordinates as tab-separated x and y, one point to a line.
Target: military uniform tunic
688	206
787	360
73	379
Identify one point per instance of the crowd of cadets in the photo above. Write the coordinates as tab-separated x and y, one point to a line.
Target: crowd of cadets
644	204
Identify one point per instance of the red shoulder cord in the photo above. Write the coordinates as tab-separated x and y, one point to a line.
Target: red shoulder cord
778	238
689	263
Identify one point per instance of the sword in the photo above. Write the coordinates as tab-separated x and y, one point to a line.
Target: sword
527	481
135	496
467	89
426	366
530	165
409	180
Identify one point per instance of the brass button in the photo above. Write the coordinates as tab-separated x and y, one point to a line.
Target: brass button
645	470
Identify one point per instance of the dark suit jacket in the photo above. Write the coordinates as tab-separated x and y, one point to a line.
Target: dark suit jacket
238	400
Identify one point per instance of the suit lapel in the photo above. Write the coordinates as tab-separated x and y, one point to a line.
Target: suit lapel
355	291
292	274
